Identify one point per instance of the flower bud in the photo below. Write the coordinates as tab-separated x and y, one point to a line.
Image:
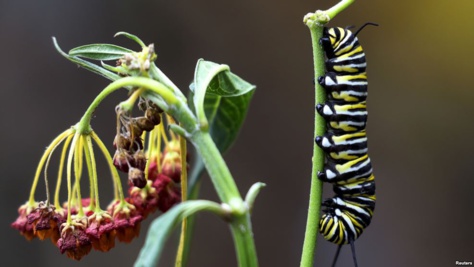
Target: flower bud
139	160
121	142
145	123
137	177
153	115
122	160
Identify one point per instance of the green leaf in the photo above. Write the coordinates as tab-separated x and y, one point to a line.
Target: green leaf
87	65
221	100
132	37
162	227
100	51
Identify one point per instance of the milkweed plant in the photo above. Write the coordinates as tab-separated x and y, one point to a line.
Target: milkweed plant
151	150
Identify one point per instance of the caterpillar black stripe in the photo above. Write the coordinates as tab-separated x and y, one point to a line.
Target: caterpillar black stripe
348	165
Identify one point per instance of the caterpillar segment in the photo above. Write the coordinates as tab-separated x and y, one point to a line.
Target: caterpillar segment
365	187
346	88
343	147
344	118
351	170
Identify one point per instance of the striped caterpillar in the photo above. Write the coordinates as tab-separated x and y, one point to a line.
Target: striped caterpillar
348	167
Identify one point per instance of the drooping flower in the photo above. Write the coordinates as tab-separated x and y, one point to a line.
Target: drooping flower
101	231
74	240
169	192
45	221
21	223
144	199
171	165
127	220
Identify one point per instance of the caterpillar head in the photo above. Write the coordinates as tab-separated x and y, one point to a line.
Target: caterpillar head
328	40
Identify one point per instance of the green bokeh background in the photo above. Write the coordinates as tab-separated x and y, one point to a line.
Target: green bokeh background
420	68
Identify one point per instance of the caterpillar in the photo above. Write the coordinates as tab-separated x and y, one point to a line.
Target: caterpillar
348	167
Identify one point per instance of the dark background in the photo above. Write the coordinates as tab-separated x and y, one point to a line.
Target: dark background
420	127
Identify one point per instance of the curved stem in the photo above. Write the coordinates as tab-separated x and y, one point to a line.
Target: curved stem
78	161
53	144
252	194
157	74
128	104
68	175
57	204
315	24
92	169
336	9
84	124
46	181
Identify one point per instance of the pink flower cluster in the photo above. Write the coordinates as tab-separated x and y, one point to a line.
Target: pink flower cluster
77	236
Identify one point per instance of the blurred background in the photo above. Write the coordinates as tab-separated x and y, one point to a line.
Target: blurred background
420	125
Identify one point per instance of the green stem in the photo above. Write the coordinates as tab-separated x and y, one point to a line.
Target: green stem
46	180
218	171
157	74
92	169
336	9
243	240
57	204
68	175
78	163
49	150
315	22
227	190
312	224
